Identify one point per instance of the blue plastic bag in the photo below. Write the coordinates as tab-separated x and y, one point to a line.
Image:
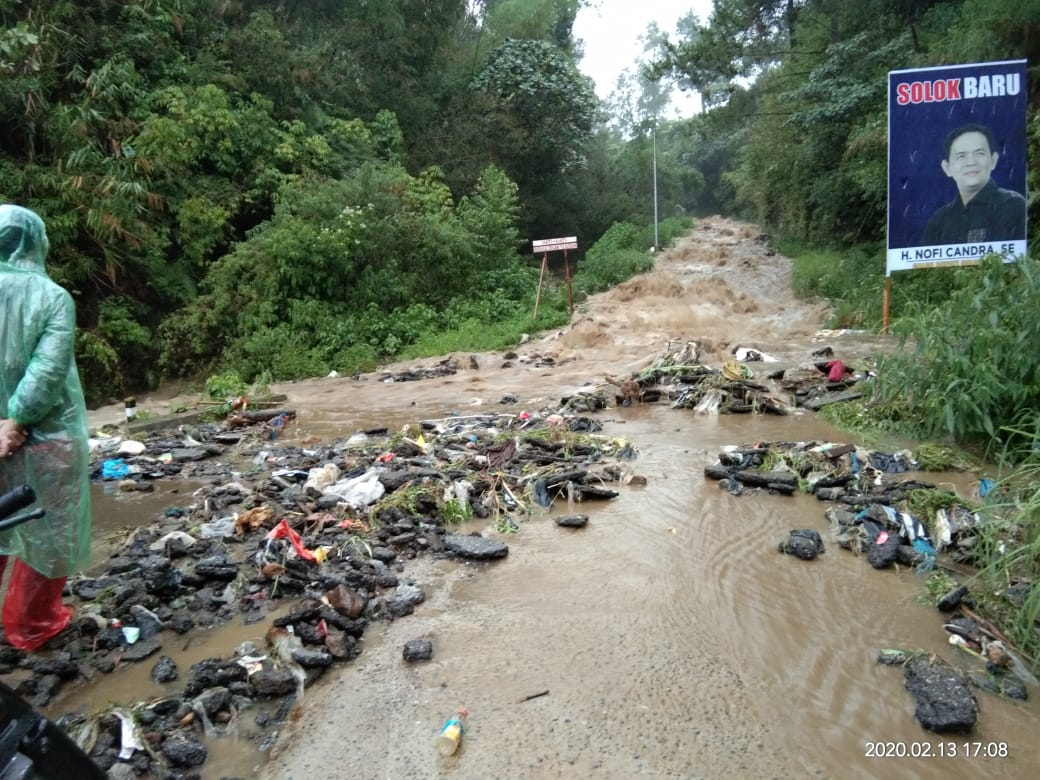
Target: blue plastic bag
114	469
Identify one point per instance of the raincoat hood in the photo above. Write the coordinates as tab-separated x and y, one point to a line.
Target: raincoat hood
23	238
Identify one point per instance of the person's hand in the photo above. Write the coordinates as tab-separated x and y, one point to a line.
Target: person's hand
12	436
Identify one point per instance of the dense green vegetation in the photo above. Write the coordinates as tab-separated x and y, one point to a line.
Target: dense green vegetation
295	187
268	189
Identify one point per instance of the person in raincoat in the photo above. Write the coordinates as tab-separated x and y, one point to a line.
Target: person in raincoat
43	434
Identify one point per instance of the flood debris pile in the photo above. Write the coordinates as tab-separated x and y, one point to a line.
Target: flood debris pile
194	451
818	383
445	367
676	375
313	539
890	520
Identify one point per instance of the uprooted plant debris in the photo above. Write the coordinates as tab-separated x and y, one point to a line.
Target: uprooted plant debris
677	375
313	539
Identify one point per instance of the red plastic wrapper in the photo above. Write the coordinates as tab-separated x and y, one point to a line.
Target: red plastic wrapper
283	531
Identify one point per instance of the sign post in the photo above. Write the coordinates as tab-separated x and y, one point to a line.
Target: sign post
544	246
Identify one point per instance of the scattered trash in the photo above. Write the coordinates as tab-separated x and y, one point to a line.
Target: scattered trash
276	424
131	447
747	354
116	468
534	696
284	531
129	737
451	733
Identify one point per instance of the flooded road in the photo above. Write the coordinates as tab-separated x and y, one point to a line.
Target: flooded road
671	637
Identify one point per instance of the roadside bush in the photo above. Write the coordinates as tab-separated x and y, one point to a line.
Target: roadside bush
605	270
671	228
620	254
98	365
116	353
851	280
973	365
277	351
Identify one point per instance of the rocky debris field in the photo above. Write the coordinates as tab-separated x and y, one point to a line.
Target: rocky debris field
312	539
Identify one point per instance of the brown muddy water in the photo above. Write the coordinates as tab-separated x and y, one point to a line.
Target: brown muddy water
671	637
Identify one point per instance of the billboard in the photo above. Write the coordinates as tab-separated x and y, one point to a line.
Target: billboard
956	164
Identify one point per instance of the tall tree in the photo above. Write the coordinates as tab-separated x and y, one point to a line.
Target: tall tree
541	117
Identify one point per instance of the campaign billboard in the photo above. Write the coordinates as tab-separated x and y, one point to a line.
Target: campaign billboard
956	164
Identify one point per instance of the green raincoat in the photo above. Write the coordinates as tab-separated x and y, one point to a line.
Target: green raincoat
40	389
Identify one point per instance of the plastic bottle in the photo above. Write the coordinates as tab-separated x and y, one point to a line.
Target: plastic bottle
451	734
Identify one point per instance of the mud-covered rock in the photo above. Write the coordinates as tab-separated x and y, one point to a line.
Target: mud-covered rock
418	650
164	670
475	547
571	521
312	659
945	703
183	752
216	567
214	700
272	682
210	673
62	665
884	551
803	543
143	648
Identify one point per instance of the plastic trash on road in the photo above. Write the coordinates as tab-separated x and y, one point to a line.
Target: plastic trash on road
451	733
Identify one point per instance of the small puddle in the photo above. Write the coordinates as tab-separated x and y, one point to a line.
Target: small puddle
234	746
116	513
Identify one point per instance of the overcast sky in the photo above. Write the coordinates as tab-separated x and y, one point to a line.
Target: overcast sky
610	30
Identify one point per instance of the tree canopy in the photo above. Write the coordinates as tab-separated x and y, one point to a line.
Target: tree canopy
291	187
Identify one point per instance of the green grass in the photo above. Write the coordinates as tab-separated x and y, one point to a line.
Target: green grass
476	336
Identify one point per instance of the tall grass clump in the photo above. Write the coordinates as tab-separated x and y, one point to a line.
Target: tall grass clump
1007	549
851	280
972	367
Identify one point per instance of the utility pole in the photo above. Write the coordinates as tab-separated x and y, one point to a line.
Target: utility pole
653	133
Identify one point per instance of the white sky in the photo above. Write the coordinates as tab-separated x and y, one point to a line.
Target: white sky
610	30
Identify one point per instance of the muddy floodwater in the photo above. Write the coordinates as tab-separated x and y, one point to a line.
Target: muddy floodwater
666	639
672	638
